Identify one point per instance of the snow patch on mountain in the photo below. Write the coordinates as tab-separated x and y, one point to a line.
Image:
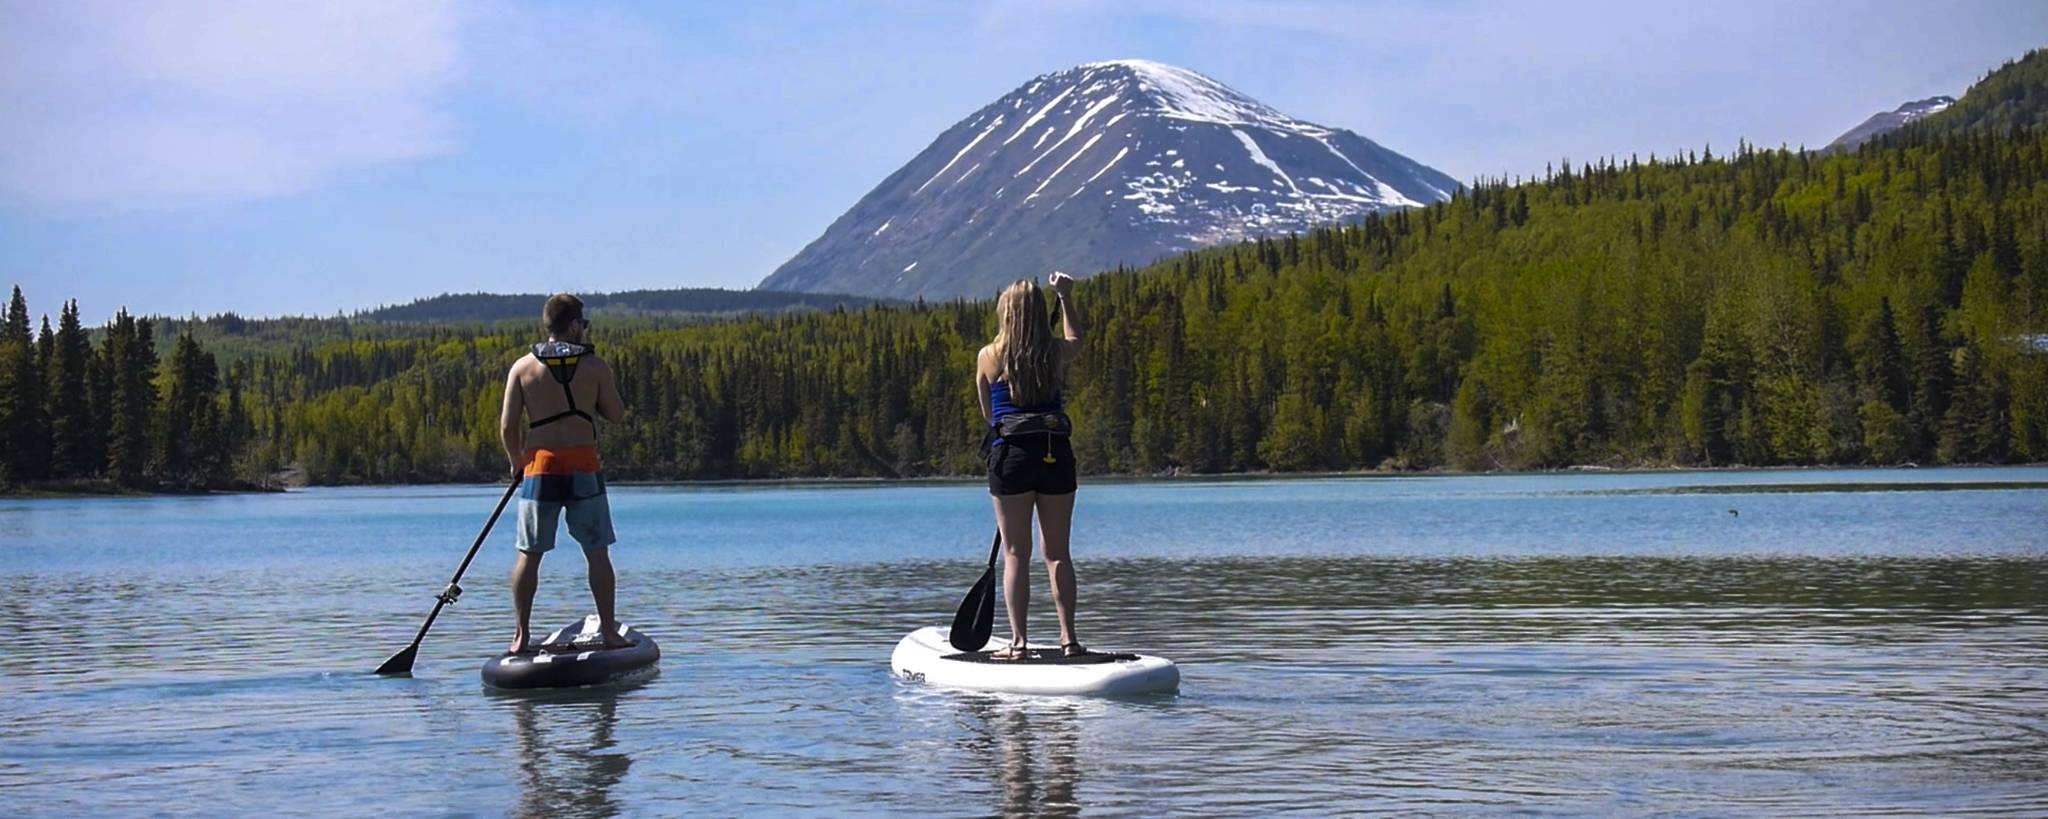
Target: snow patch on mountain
1885	122
1182	94
1258	156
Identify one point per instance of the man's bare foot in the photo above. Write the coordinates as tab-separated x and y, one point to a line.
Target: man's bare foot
612	638
518	644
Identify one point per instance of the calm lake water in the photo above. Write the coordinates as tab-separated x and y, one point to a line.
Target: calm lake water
1852	642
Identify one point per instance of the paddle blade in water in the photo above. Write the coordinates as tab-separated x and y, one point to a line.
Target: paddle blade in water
976	617
400	663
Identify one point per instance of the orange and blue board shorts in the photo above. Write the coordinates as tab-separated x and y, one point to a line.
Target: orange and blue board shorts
563	484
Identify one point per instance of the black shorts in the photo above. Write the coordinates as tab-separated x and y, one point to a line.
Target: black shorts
1018	466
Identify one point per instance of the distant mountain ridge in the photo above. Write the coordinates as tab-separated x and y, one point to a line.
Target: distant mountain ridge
1103	164
2011	96
688	301
1885	122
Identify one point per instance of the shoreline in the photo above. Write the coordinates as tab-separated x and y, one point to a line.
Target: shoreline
937	480
106	489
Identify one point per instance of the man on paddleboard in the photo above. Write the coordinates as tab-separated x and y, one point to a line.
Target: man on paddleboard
556	387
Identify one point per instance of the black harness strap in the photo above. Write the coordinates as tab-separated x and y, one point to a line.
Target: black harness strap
560	360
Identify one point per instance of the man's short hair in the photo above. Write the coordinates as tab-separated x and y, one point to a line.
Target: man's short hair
561	313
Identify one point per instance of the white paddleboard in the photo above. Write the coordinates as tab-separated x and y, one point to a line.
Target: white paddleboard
925	656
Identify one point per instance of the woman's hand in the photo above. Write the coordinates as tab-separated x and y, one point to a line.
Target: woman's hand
1061	283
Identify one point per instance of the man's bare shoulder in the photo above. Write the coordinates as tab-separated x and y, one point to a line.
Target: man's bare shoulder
596	365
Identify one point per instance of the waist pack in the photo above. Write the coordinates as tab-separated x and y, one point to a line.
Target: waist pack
1024	424
1034	423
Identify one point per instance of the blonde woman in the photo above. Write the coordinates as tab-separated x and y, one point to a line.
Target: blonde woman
1031	463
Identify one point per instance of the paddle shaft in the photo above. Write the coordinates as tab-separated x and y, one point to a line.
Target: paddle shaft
995	547
453	591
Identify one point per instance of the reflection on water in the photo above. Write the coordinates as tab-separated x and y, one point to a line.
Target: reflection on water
1036	750
1368	646
569	758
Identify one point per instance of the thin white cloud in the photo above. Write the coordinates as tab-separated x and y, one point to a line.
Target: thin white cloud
118	106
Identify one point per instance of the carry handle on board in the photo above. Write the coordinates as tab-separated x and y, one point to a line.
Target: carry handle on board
401	663
976	618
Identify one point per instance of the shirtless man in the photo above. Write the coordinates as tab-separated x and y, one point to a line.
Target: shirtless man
558	385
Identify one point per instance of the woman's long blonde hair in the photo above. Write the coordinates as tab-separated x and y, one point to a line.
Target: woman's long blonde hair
1026	354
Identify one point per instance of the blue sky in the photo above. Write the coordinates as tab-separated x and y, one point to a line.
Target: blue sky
254	156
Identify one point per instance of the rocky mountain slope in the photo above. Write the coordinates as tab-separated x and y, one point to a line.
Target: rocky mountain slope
1885	122
1099	165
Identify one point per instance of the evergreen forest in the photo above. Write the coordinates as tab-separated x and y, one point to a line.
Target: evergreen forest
1754	307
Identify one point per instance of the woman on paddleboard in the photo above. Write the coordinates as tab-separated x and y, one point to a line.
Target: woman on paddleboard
1030	461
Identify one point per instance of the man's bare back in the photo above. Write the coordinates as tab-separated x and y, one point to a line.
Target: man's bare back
531	389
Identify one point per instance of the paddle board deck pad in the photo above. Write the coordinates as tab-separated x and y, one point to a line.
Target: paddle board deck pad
574	656
925	656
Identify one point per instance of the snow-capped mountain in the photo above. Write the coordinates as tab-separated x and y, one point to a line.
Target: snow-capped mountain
1101	164
1888	121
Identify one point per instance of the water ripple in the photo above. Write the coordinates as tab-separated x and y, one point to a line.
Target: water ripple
1572	668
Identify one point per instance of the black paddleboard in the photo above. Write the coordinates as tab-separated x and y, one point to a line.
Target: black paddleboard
574	656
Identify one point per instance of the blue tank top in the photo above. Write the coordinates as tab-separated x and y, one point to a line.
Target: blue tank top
1000	405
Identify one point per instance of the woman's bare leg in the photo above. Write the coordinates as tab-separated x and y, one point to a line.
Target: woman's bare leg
1013	520
1055	523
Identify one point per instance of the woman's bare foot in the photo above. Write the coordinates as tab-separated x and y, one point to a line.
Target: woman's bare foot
612	639
518	644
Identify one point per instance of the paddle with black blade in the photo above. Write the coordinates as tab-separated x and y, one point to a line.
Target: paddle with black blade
401	663
976	618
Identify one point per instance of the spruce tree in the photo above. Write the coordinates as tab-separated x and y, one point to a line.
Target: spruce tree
71	427
177	419
1992	426
1933	369
17	329
99	400
1880	366
130	353
237	429
21	398
46	346
46	356
1959	442
12	358
1712	402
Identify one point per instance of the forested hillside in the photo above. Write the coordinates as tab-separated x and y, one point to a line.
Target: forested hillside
1766	307
2012	97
